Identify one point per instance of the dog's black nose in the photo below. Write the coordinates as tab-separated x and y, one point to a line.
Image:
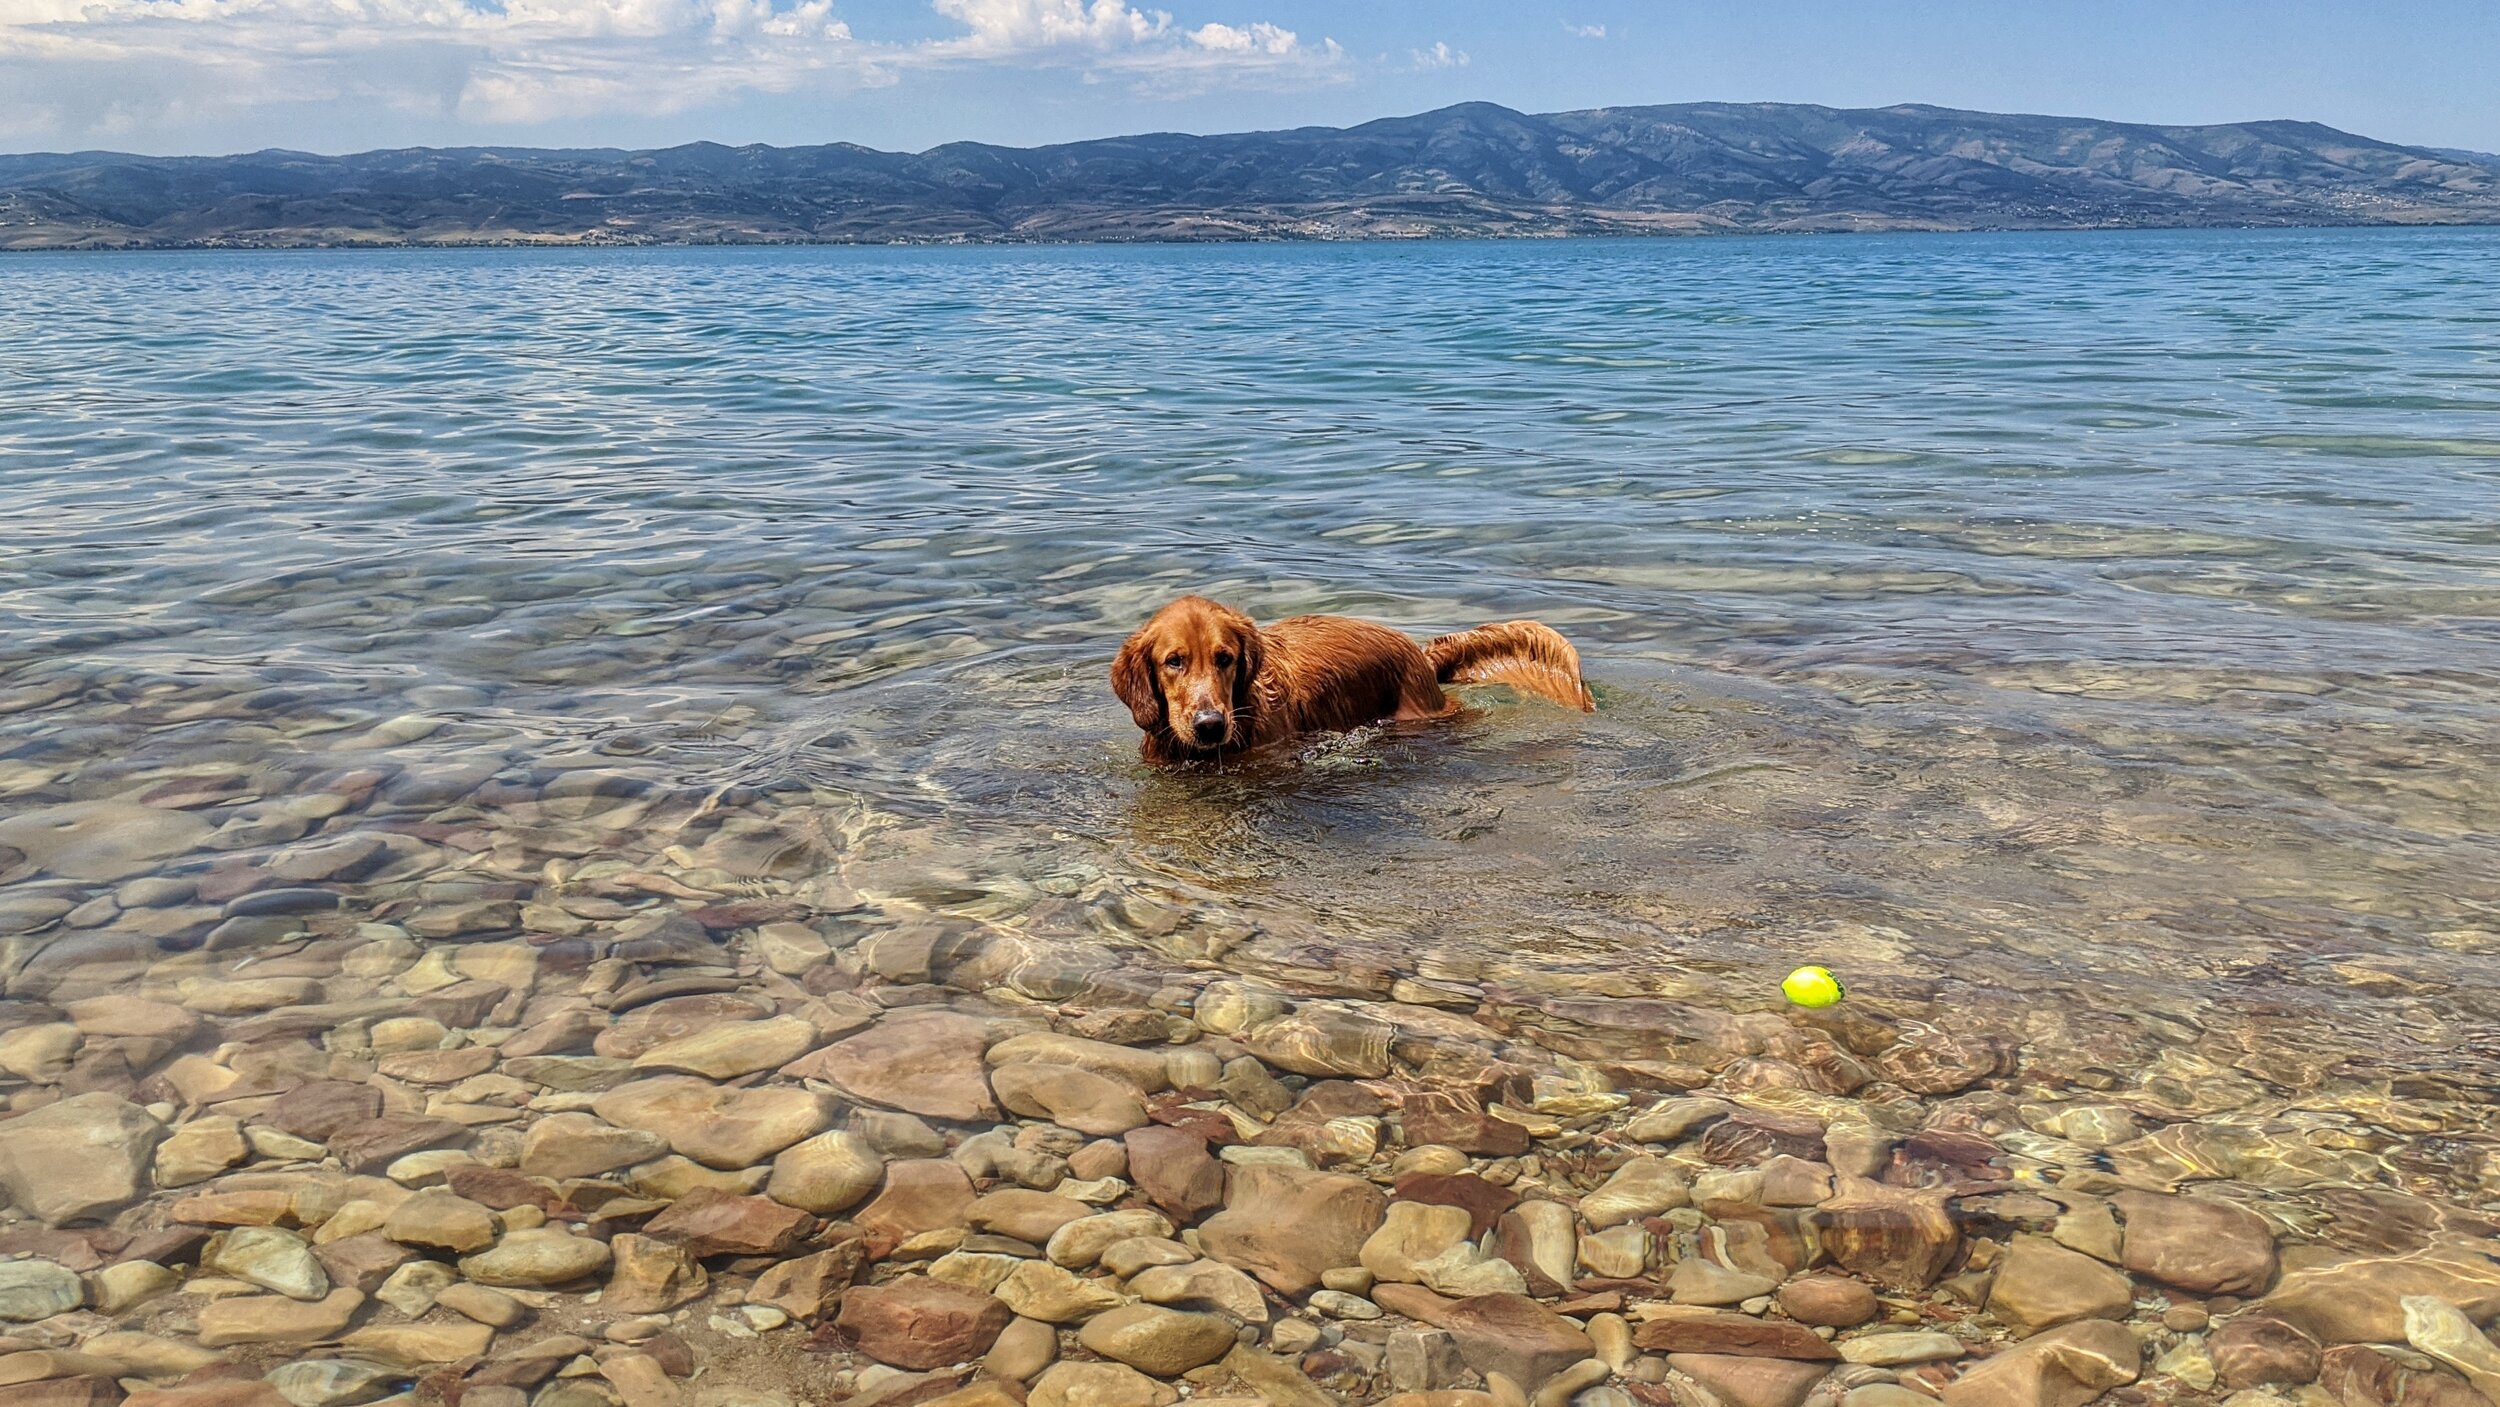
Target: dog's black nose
1208	724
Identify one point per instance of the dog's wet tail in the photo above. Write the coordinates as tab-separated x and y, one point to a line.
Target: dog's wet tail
1526	655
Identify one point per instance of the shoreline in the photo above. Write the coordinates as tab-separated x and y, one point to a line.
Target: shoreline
1151	242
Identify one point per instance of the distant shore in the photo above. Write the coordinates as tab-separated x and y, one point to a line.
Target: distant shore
1474	171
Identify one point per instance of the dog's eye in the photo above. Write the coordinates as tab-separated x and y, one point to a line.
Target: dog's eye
1223	659
1174	662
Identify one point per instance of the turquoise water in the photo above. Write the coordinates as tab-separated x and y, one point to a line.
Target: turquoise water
2094	636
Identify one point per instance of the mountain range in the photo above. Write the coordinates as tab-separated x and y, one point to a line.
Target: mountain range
1475	169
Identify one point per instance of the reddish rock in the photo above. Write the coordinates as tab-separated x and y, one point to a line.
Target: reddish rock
919	1324
1286	1225
1750	1382
2262	1352
1515	1336
375	1144
1455	1118
322	1108
1750	1136
1947	1155
1483	1201
2357	1375
252	1392
1892	1235
1945	1062
1723	1332
462	1004
1832	1301
710	1222
2196	1243
63	1392
531	1363
500	1188
362	1263
1175	1171
1413	1301
921	1194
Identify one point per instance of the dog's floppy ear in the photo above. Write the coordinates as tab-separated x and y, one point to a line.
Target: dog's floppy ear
1133	679
1251	650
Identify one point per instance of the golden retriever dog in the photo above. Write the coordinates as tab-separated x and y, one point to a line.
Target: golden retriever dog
1203	680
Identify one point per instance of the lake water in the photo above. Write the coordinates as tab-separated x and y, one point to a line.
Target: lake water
2088	640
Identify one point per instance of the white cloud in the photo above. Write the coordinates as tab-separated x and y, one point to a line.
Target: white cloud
1584	31
1440	55
1257	38
83	70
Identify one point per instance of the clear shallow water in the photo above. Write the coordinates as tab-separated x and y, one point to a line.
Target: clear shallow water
2093	639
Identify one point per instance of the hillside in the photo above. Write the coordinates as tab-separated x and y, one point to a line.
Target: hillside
1474	169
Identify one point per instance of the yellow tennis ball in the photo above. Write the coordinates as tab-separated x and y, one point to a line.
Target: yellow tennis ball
1813	986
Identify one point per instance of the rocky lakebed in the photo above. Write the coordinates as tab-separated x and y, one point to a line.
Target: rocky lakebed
561	1088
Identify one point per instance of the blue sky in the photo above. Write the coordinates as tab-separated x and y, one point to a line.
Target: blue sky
338	75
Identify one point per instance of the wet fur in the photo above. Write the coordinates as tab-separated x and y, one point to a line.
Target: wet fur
1309	674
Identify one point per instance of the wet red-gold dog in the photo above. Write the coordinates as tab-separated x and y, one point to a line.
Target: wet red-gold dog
1204	680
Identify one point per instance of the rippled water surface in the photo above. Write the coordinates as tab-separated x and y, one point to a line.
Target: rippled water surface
2091	637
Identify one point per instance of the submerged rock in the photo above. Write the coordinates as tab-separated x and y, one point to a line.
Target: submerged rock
1285	1225
79	1158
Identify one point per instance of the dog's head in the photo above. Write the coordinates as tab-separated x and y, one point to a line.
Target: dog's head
1186	675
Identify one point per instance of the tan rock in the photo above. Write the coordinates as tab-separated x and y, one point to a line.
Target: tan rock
1081	1243
267	1257
442	1221
79	1158
1752	1382
1164	1342
540	1256
1202	1284
809	1286
1286	1225
1025	1347
1516	1337
1832	1301
138	1355
2066	1366
1099	1385
252	1319
648	1275
1145	1070
580	1145
733	1048
1643	1187
1069	1097
1037	1289
130	1283
919	1060
2196	1243
1412	1233
827	1174
2362	1300
489	1307
2040	1284
1024	1214
720	1128
419	1345
199	1150
921	1194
